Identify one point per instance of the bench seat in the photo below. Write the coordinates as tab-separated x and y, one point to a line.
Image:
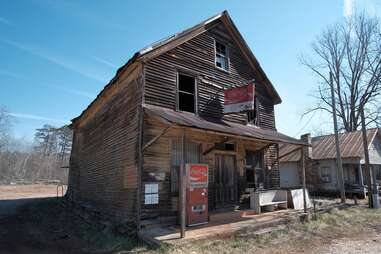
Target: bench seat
268	198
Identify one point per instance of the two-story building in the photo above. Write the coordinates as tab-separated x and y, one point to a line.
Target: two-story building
165	106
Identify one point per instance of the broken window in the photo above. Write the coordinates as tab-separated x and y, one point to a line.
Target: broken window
186	93
255	175
221	56
252	115
325	174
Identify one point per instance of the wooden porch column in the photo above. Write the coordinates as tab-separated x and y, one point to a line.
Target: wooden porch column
182	188
303	165
361	176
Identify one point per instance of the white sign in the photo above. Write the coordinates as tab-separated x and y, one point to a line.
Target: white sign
151	194
239	99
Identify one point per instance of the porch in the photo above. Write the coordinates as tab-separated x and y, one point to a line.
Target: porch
240	159
221	224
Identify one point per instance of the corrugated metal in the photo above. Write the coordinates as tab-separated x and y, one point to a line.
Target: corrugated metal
323	147
192	155
194	121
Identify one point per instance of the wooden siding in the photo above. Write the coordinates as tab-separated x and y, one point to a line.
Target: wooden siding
103	166
196	57
157	161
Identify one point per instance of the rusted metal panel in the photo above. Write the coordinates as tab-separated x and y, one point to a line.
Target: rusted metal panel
323	147
222	126
239	99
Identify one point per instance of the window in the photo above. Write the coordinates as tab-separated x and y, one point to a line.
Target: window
225	146
192	155
221	56
255	175
252	115
377	169
151	194
325	174
186	93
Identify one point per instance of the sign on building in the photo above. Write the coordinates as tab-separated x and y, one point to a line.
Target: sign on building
239	99
151	194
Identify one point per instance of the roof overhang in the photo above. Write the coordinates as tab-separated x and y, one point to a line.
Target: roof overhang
222	127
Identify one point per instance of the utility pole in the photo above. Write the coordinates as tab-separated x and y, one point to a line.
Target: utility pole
340	174
373	200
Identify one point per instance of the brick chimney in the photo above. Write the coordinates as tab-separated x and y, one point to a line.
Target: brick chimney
307	139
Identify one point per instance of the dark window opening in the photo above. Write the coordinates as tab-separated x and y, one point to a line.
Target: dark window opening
222	56
255	174
186	93
225	146
252	115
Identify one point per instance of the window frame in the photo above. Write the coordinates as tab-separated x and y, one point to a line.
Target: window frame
325	174
227	56
195	95
256	109
254	169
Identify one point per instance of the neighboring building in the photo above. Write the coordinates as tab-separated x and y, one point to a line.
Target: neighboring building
128	143
321	167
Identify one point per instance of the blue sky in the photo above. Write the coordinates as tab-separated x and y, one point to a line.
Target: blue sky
55	56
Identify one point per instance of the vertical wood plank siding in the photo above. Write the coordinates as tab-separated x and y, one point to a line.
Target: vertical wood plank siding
103	165
157	162
196	57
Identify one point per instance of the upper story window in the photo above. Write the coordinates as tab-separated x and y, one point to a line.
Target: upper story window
222	60
186	97
252	115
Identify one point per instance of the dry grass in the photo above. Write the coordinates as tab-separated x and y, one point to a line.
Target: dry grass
296	238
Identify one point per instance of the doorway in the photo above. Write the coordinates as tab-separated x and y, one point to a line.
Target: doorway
225	181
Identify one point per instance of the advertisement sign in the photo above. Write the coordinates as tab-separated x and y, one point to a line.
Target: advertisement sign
197	175
239	99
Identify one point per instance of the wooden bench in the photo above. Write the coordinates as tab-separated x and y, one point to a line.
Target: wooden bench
276	198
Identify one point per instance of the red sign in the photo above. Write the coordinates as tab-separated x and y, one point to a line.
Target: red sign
197	175
239	99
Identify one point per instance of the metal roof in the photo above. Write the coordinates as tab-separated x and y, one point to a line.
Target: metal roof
323	147
217	125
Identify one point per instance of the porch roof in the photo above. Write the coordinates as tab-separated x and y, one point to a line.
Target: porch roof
193	121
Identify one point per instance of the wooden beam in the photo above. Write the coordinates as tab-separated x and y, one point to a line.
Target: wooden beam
303	164
153	140
214	146
182	189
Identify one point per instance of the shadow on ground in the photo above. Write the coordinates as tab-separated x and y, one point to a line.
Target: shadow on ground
44	225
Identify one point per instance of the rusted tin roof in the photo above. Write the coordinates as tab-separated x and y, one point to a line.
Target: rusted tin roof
323	147
221	126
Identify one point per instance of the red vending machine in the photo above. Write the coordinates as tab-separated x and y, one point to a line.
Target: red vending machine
197	194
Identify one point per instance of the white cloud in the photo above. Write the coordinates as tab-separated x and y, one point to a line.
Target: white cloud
103	61
73	91
9	74
37	117
5	21
370	7
51	57
348	8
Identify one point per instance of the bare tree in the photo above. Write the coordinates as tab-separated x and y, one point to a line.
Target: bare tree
351	50
5	126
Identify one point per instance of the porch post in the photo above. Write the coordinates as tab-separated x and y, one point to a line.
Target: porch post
303	164
361	179
182	187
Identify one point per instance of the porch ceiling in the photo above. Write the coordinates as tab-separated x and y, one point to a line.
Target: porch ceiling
221	126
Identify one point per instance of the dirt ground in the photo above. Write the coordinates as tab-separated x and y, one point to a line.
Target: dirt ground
32	220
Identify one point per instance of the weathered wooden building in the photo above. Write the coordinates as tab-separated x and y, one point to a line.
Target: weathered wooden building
168	99
321	169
